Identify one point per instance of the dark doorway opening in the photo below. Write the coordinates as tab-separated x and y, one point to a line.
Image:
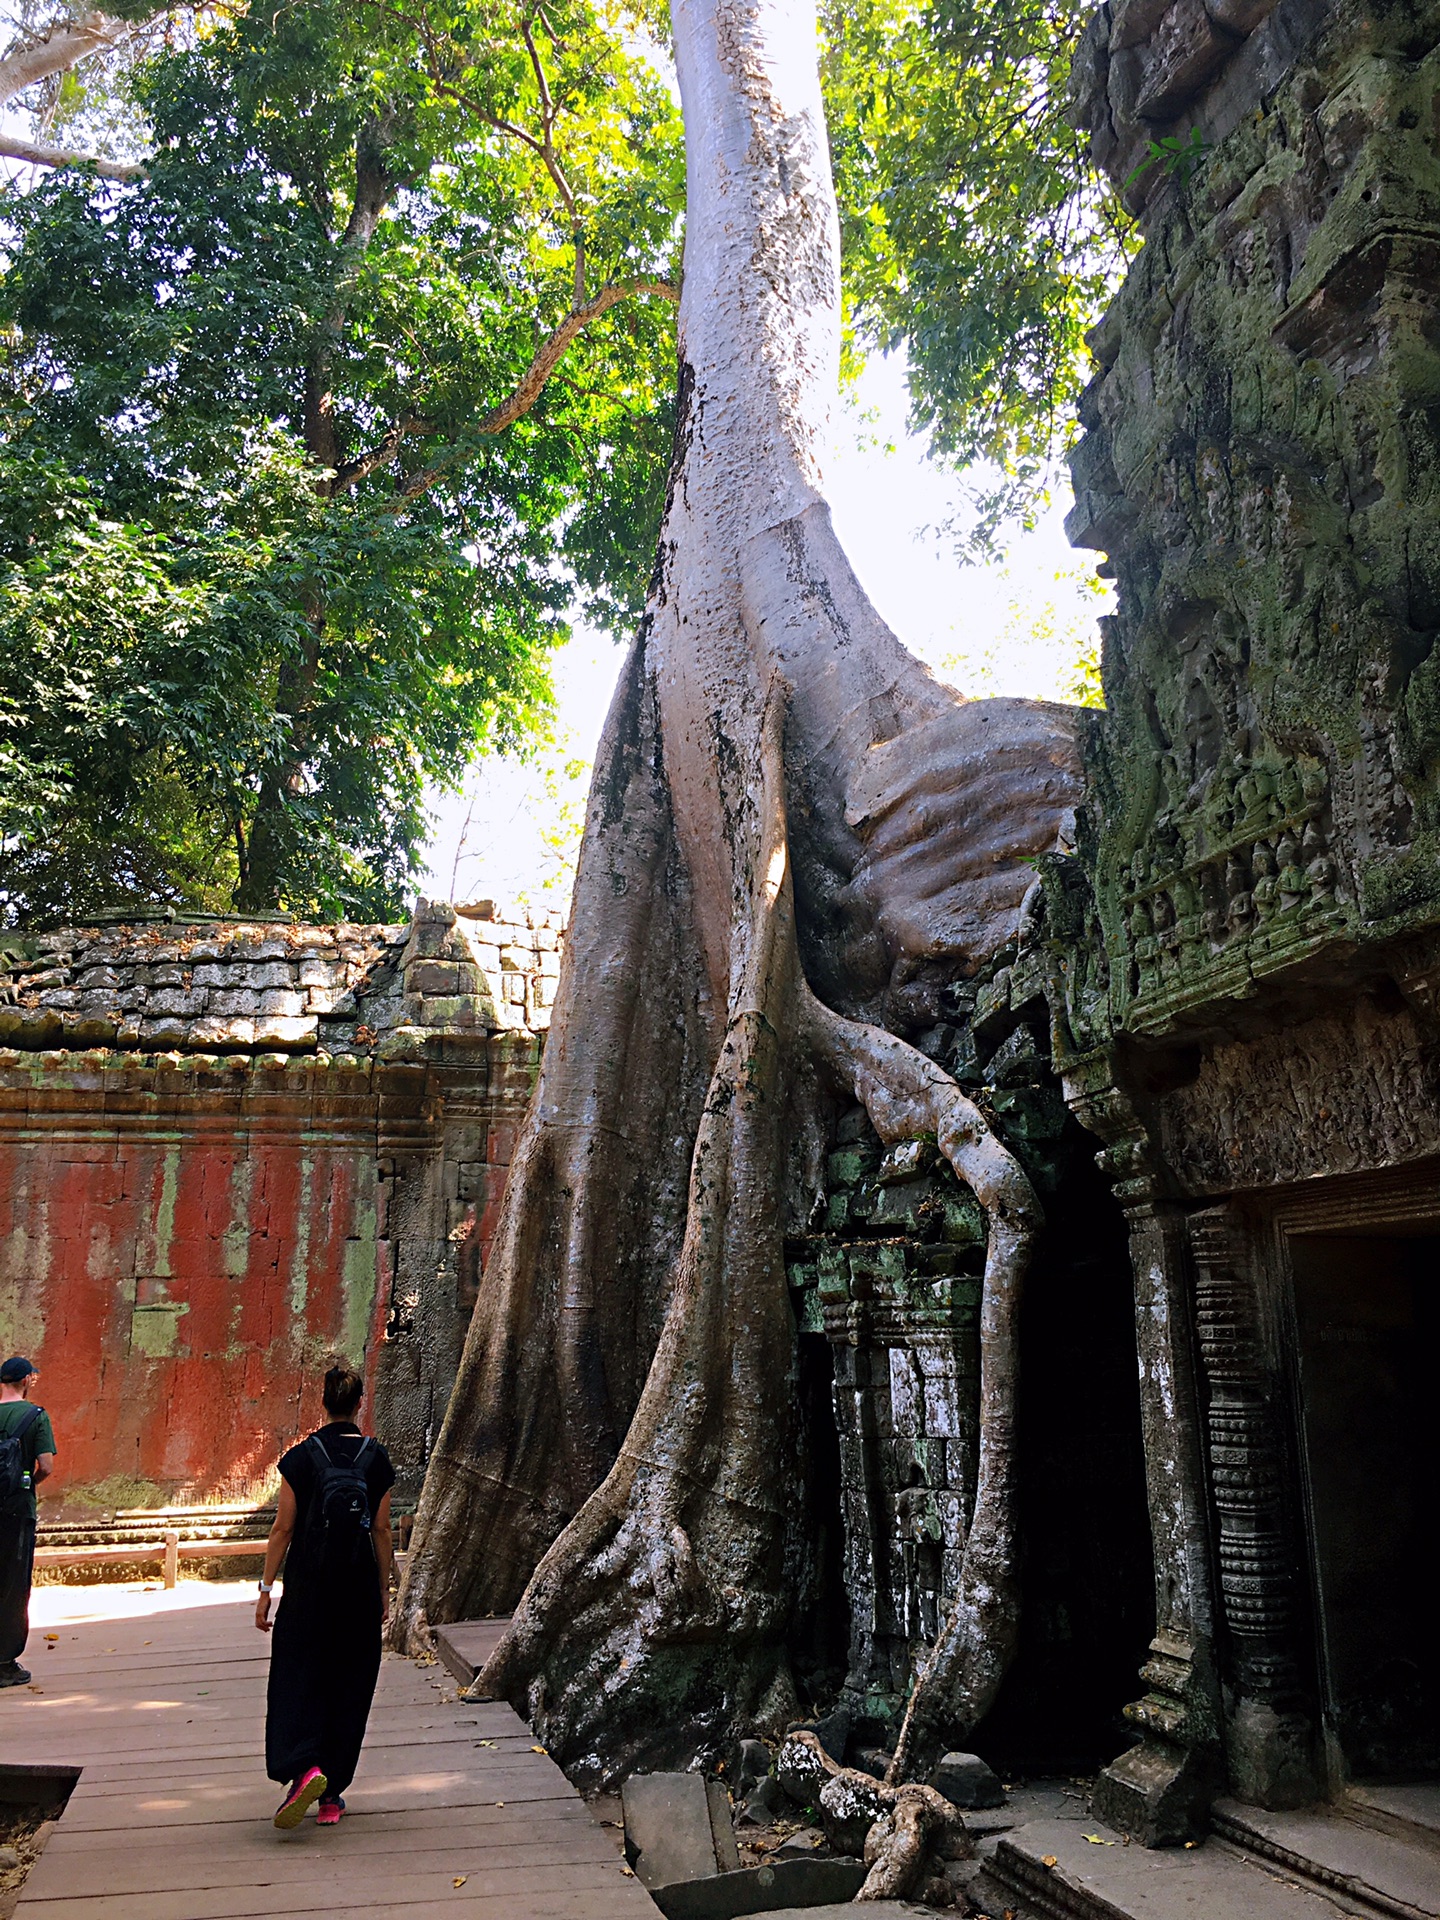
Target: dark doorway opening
1368	1317
821	1636
1087	1571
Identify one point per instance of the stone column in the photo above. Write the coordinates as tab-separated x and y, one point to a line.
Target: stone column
1160	1789
1269	1731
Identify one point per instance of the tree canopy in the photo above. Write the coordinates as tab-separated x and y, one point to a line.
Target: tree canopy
976	235
346	365
311	432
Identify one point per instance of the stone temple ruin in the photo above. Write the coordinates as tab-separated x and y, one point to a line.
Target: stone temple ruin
1241	961
1230	983
1212	1041
229	1148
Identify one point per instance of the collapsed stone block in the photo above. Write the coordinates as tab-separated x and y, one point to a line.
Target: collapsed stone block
966	1781
668	1834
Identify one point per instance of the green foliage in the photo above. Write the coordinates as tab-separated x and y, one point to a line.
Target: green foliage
268	567
976	236
138	690
1178	155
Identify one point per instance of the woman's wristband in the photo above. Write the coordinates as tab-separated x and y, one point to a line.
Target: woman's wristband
267	1586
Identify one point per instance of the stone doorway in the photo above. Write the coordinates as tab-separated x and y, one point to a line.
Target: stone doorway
1367	1321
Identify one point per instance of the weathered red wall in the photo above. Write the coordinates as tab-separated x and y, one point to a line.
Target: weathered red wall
228	1151
179	1294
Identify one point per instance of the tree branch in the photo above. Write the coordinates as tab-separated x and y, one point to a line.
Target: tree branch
38	156
526	392
375	188
543	145
380	455
66	43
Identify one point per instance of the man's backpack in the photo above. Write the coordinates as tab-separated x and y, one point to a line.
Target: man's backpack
15	1463
337	1524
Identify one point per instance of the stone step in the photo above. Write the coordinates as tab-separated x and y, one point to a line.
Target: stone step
1370	1871
1410	1811
1050	1870
780	1886
465	1645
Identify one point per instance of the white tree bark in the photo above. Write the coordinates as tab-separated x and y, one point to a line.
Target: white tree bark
793	831
63	45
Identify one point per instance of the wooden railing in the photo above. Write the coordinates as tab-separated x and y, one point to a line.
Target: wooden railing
167	1535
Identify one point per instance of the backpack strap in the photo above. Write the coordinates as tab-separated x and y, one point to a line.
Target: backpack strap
363	1455
32	1414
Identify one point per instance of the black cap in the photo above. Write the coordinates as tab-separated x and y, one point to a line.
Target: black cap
16	1369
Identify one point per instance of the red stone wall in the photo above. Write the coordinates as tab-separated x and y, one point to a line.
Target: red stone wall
180	1287
230	1151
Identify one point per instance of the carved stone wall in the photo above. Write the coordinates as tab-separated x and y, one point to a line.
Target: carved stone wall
1241	959
1260	467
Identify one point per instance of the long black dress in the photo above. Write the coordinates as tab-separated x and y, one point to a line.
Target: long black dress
325	1645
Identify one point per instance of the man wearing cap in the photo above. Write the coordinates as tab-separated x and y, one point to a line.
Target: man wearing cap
29	1426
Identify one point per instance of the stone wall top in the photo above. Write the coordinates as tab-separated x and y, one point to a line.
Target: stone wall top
1151	70
241	986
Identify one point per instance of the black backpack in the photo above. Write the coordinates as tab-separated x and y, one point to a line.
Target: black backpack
14	1466
337	1525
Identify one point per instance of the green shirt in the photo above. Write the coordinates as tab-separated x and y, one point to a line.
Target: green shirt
39	1436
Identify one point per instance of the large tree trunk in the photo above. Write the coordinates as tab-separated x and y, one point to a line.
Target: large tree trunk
794	834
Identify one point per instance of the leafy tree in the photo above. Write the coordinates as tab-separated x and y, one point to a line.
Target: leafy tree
976	234
333	397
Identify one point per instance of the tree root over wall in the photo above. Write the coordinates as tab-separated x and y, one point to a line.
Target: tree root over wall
791	828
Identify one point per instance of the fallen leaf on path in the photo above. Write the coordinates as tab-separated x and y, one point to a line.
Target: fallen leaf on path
487	1743
537	1749
1050	1860
629	1872
1096	1841
460	1879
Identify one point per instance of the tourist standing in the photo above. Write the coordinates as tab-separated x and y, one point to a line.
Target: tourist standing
27	1456
332	1530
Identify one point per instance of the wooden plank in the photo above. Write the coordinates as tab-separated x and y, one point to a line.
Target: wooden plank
171	1819
329	1889
257	1855
384	1831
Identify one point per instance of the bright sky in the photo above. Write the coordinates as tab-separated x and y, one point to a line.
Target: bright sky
1014	628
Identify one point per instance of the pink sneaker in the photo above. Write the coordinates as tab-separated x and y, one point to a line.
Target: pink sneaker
329	1811
299	1800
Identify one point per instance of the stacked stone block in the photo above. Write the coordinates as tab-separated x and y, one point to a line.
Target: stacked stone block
893	1279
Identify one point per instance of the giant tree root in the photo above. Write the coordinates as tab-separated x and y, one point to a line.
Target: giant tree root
665	1553
641	1570
637	1534
908	1097
901	1831
903	1846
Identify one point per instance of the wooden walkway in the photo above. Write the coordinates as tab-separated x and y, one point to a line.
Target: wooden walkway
454	1809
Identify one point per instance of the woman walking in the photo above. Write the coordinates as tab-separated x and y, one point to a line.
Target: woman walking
332	1530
